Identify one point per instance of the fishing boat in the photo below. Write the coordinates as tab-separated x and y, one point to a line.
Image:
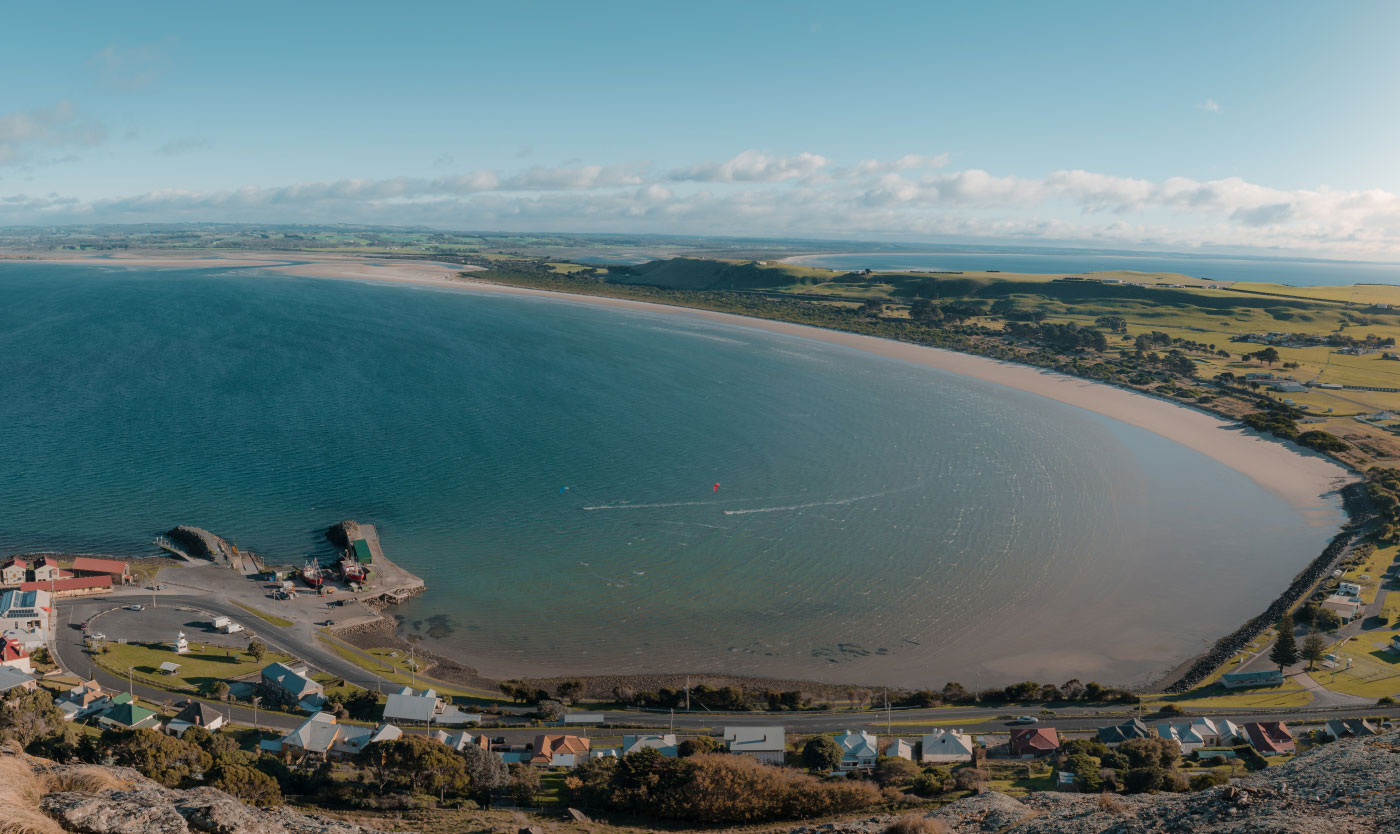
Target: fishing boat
312	574
352	571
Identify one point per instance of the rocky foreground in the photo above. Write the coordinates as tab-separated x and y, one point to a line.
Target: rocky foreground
1348	787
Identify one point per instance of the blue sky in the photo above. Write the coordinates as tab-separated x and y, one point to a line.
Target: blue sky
1240	126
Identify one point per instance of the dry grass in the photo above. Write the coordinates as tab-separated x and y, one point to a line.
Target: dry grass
1109	804
20	791
916	824
84	778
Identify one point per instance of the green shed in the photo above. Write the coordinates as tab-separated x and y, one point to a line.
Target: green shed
362	554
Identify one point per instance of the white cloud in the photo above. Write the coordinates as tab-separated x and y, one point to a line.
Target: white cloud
1210	105
805	195
752	166
52	127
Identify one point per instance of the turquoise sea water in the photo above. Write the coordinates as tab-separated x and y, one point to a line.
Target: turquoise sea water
548	468
1297	273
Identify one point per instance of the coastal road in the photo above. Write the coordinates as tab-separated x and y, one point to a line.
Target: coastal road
68	646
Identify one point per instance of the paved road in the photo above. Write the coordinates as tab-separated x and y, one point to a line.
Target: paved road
68	643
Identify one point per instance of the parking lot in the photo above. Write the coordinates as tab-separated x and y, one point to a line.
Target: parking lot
160	625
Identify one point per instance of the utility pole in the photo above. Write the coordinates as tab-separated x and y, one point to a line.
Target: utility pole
673	719
687	694
889	716
129	685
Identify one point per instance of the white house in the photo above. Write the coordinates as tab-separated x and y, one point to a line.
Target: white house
195	714
321	736
461	741
14	655
14	571
1348	608
1188	737
666	744
1349	589
12	679
767	744
425	708
83	700
24	617
945	746
898	748
859	750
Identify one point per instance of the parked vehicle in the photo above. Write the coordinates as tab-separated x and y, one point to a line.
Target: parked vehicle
1026	719
136	608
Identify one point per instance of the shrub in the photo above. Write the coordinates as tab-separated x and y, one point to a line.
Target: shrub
1202	781
1109	804
1144	779
915	824
821	753
970	778
927	784
698	745
894	771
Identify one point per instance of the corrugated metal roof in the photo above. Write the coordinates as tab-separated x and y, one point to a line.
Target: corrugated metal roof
362	554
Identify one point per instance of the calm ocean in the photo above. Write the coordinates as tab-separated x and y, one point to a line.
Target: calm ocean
548	468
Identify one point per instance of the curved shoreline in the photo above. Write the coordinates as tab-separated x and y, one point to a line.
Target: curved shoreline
1301	477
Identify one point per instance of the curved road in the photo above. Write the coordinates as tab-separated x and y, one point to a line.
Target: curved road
68	643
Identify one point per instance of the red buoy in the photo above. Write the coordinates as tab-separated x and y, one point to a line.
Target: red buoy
716	487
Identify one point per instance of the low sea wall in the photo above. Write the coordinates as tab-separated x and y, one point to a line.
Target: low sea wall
1360	514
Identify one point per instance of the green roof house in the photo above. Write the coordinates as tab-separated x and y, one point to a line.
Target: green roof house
128	717
362	554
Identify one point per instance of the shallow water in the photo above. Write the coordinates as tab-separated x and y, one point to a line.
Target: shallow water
548	468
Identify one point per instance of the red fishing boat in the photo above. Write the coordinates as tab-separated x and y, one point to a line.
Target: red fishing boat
313	575
352	571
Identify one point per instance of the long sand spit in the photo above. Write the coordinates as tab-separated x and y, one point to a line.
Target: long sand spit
1299	476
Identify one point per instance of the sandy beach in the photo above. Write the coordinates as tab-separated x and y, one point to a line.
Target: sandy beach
1295	474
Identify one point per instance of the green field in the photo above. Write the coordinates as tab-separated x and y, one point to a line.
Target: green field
1375	670
201	666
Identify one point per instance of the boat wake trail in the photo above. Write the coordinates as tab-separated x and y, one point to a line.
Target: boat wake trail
829	503
651	506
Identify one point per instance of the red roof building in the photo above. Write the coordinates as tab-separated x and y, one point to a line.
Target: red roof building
1270	738
87	565
70	586
13	654
559	750
1034	742
13	571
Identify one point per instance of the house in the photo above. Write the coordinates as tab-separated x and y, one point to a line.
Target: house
14	655
44	570
1229	732
83	700
1348	608
1242	680
898	748
71	586
294	686
461	741
13	681
1188	737
559	751
859	750
945	746
322	737
128	716
767	744
1394	642
195	714
1214	733
1349	589
14	571
25	611
1114	736
407	706
1270	738
666	744
1340	728
116	571
1033	742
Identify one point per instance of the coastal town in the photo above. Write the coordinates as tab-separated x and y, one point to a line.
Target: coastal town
212	642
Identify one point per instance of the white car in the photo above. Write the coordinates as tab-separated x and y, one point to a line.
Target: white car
1026	719
136	608
97	635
